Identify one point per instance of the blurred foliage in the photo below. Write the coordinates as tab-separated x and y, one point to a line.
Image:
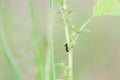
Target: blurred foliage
96	55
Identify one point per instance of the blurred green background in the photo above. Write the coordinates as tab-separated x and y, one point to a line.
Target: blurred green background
96	55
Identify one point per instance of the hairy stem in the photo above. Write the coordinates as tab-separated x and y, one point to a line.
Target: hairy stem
67	34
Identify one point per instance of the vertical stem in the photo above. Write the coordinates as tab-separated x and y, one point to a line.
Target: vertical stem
50	63
36	43
52	75
7	52
70	64
67	34
70	56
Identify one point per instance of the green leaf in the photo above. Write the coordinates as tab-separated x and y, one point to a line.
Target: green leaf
106	7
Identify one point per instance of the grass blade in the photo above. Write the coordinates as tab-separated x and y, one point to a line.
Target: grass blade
36	42
50	72
7	52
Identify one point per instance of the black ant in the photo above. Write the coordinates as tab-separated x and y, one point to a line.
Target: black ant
67	47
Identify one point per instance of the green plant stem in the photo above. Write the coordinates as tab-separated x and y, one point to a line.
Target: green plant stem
8	54
52	75
82	27
36	42
50	63
70	53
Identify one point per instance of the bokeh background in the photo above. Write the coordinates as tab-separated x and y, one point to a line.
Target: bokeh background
96	55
